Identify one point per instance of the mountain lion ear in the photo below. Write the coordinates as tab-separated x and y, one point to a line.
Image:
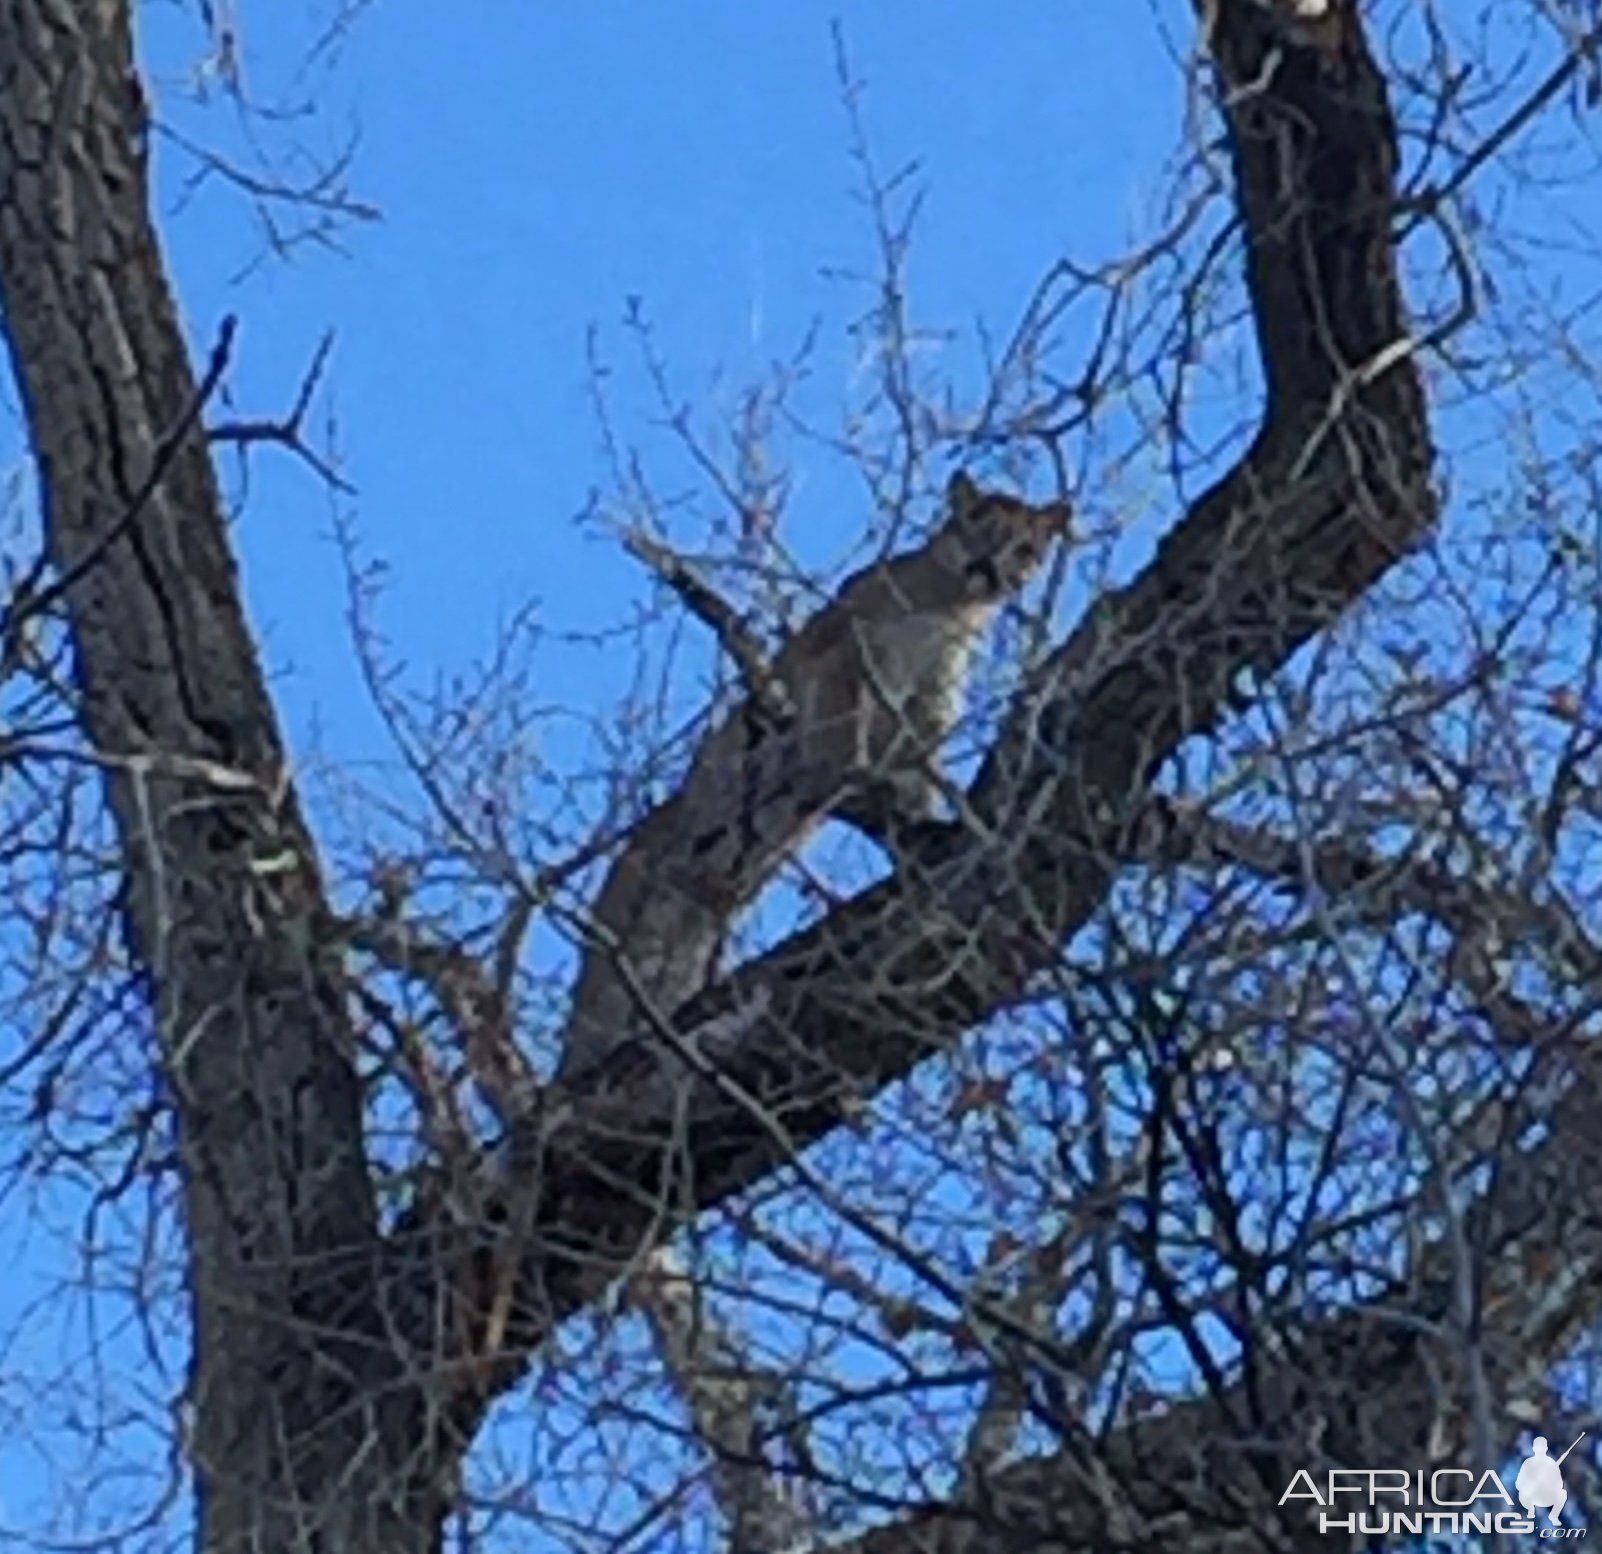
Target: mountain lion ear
962	495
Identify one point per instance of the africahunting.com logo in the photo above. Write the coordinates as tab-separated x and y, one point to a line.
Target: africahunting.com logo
1447	1500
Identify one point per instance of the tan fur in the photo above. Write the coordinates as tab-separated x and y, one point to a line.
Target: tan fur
875	682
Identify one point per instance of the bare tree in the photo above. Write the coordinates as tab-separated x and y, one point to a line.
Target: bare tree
1245	996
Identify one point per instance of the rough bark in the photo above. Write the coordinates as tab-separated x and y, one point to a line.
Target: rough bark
223	905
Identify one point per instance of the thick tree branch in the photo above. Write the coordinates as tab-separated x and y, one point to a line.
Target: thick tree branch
1333	492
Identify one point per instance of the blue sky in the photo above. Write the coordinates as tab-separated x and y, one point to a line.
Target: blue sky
539	164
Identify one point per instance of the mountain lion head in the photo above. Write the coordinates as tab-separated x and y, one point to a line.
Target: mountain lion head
992	541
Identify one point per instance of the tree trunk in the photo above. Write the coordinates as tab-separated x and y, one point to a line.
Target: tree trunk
223	904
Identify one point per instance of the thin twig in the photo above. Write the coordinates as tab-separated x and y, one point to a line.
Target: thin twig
1583	50
477	1004
286	430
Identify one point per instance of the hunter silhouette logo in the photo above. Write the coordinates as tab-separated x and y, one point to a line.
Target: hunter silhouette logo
1444	1500
1540	1480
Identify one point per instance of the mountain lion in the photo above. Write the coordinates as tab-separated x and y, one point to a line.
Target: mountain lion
873	684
